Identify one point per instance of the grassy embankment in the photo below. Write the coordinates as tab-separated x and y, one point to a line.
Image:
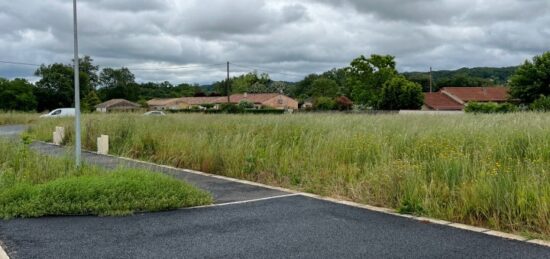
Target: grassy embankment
33	185
17	118
486	170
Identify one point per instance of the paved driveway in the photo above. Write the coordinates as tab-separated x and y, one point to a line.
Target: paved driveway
11	130
247	222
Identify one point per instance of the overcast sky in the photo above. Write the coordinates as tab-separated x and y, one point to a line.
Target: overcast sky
291	38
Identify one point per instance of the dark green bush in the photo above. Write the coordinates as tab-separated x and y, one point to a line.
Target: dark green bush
542	104
246	104
265	111
475	107
324	104
231	108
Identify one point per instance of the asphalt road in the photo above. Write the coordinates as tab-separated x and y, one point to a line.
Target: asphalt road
276	227
11	130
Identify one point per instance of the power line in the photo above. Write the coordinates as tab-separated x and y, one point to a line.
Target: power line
130	68
19	63
175	68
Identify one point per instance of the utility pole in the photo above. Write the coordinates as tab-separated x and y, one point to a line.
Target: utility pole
431	80
76	89
227	85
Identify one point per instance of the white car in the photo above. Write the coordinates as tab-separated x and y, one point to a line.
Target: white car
155	113
61	112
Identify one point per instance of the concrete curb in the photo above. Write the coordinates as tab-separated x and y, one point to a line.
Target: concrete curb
348	203
3	254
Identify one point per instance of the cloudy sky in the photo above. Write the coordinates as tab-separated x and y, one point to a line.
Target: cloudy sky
185	41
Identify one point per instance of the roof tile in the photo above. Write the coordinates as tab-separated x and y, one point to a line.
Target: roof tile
440	101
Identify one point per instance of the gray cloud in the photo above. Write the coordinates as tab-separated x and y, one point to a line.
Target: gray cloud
289	38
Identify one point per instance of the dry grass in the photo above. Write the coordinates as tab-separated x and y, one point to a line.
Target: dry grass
17	118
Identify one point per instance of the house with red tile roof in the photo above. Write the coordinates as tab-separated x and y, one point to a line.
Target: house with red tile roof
456	98
271	100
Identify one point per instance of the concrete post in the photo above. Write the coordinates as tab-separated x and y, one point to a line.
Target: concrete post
58	135
103	145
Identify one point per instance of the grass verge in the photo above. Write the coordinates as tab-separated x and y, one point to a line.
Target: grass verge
17	118
33	185
484	170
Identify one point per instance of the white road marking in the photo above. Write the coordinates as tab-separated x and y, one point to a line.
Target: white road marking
243	202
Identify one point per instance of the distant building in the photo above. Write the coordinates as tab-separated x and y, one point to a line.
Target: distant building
117	105
273	100
456	98
167	104
270	100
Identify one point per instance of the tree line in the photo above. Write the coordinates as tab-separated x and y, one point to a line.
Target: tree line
368	82
55	88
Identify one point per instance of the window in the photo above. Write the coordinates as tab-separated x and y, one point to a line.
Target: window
56	112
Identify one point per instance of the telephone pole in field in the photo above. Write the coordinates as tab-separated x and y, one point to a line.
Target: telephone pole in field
227	85
431	80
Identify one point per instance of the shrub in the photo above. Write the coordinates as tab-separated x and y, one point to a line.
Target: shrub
244	104
324	103
542	104
231	108
33	185
265	111
343	103
475	107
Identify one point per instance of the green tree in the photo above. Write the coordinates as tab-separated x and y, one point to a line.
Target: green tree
339	76
324	103
532	79
463	80
55	89
118	83
400	93
90	101
324	87
279	87
542	104
17	95
366	76
302	89
258	88
244	83
86	65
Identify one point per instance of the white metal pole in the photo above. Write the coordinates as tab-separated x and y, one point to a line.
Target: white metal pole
76	89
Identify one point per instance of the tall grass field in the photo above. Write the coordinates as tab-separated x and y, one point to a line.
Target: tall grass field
485	170
17	118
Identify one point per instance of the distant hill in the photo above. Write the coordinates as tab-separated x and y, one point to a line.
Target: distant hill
478	76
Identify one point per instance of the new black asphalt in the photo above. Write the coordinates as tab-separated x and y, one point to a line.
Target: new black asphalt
283	227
